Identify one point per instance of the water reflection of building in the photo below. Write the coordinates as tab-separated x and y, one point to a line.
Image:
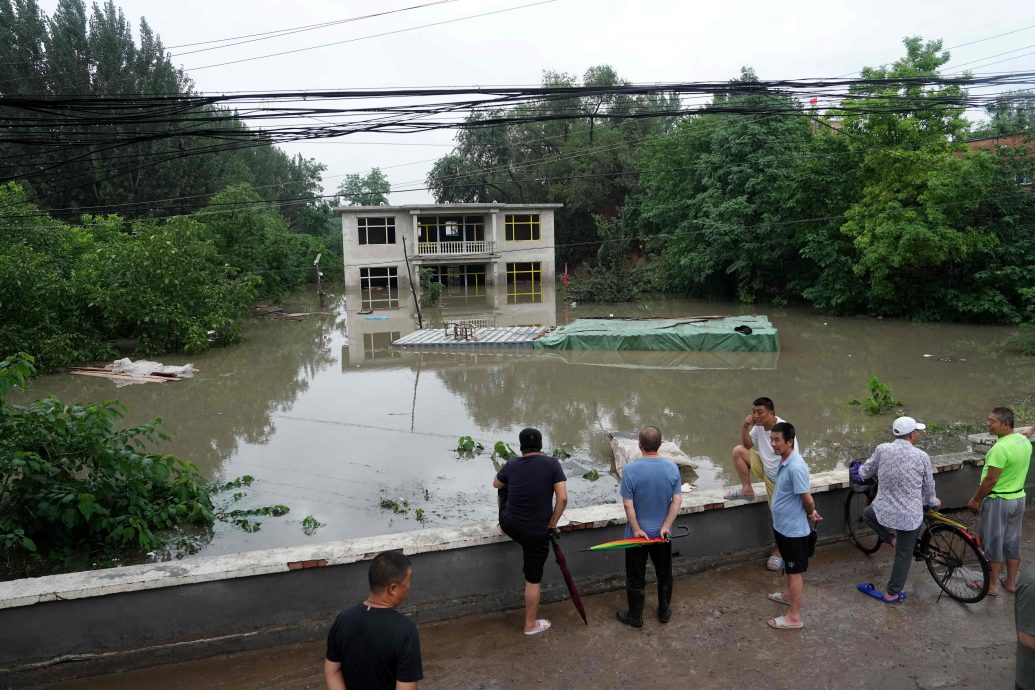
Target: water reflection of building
370	335
466	247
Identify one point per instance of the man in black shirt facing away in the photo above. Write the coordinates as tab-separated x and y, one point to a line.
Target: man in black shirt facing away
529	513
371	645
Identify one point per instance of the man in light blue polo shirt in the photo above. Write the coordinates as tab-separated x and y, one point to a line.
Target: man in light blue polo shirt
792	508
651	494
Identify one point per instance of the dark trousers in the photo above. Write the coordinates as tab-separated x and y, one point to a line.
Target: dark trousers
636	564
904	543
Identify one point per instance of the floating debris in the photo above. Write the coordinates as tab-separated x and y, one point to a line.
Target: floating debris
125	371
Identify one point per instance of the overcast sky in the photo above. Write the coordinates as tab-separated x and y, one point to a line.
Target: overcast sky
647	41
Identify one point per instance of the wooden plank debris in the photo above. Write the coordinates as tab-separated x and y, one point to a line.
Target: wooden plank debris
122	377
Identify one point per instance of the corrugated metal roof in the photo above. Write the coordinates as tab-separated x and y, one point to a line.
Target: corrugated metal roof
500	337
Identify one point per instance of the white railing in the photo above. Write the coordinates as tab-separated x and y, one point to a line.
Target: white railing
457	247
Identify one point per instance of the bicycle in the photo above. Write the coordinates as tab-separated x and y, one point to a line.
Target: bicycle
953	555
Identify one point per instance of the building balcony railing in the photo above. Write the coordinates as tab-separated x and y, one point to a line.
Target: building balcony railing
455	248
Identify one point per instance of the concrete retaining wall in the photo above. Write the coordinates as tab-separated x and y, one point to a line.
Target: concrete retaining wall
86	623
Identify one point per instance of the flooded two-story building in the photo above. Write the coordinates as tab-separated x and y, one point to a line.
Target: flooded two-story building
467	247
494	261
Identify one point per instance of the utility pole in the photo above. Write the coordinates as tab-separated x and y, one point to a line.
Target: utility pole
413	290
319	276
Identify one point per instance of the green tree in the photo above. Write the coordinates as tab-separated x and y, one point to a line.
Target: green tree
110	160
715	192
926	222
254	238
167	286
580	154
1011	113
371	189
43	311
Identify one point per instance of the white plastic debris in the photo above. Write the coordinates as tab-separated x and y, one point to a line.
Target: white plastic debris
143	367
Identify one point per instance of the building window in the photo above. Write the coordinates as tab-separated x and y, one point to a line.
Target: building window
523	227
379	345
450	228
463	280
524	282
376	230
379	287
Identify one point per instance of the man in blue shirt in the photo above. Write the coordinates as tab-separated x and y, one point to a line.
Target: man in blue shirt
651	495
792	508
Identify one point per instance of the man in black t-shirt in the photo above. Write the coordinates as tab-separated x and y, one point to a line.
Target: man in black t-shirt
530	512
371	645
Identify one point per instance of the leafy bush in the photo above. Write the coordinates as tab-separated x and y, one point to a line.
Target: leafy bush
430	291
73	486
257	240
880	400
166	285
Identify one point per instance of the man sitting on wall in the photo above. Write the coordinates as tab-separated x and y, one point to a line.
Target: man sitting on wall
532	481
371	645
755	457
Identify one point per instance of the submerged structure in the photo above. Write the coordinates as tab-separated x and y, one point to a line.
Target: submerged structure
686	334
689	334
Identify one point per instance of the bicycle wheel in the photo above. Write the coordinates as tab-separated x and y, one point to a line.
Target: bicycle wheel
954	561
864	537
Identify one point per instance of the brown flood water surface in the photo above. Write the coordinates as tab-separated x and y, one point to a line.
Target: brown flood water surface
331	421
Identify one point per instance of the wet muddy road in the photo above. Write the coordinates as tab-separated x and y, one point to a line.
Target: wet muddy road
717	638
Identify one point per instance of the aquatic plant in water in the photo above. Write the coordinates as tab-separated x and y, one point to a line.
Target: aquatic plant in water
880	401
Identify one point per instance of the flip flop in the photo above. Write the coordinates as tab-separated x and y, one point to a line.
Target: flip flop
774	563
1002	583
541	625
778	598
737	494
976	586
781	623
869	589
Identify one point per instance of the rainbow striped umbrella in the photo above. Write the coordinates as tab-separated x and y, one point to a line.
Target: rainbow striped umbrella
637	541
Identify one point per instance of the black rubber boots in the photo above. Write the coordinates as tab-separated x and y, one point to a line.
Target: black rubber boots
634	614
664	602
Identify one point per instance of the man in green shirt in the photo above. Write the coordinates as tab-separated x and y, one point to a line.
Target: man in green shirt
999	499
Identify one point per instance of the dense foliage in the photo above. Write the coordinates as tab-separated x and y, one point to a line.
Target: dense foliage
588	163
91	52
67	291
365	190
200	230
857	210
73	487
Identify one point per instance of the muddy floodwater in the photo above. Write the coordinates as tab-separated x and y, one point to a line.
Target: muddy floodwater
334	423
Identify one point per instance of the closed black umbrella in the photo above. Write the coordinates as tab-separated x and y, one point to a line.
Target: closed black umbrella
562	563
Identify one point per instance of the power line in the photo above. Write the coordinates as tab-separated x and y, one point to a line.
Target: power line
294	30
958	45
363	38
540	104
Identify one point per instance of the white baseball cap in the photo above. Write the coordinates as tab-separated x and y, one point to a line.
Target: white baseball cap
904	426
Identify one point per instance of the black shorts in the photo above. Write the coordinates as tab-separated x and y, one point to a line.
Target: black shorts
794	551
535	550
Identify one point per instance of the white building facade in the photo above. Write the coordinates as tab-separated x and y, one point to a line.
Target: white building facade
467	246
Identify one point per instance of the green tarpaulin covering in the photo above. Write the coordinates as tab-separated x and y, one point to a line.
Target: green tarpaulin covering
692	334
